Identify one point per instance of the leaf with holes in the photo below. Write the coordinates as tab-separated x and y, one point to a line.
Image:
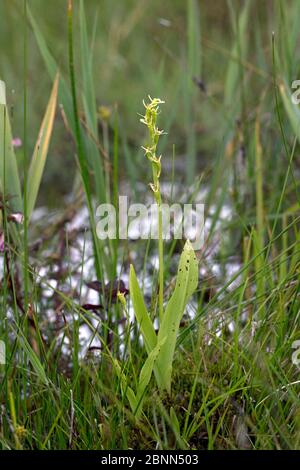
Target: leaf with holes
186	284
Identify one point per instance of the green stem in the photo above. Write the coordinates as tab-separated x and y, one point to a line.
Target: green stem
157	195
161	262
154	133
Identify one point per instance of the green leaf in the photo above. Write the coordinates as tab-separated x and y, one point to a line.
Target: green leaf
88	94
141	313
40	151
136	400
238	53
291	109
65	98
186	284
126	389
52	67
147	369
33	358
174	421
89	104
9	176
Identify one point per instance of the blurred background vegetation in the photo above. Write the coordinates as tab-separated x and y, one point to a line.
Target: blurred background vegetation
183	51
225	70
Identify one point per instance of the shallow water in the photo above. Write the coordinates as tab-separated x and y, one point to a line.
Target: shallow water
63	263
70	252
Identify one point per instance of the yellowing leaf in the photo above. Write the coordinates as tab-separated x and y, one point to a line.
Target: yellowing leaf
40	151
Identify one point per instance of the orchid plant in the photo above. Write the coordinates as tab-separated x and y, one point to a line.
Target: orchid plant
160	347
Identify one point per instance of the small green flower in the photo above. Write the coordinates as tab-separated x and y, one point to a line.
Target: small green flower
149	119
121	298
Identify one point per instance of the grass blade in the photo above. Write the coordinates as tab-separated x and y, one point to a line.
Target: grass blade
52	66
33	358
9	176
41	150
193	70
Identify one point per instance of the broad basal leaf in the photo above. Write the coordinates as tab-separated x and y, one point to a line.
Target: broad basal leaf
186	284
141	312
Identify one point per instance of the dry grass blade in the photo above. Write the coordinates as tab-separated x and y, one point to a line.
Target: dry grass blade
41	150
